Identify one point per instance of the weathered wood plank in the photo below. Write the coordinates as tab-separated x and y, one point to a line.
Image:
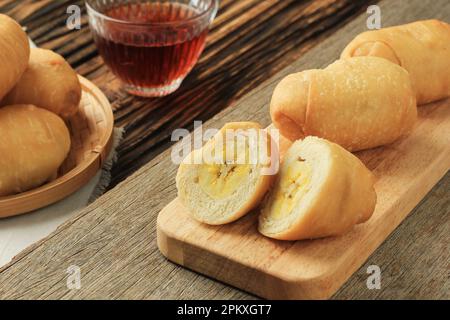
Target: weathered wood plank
418	254
114	241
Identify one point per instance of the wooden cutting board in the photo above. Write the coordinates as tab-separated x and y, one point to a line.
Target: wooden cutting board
238	255
406	170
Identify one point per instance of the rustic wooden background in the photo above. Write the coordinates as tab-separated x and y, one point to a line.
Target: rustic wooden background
113	240
248	43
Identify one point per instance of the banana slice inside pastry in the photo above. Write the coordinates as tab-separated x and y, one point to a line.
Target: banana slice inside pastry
224	180
321	190
292	189
220	180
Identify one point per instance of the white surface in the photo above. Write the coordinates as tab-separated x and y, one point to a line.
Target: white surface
17	233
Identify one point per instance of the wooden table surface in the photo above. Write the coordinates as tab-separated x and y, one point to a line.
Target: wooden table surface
113	241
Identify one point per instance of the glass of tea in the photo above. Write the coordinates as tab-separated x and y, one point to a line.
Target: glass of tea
151	45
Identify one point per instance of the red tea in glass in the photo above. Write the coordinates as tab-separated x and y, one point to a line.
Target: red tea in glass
151	45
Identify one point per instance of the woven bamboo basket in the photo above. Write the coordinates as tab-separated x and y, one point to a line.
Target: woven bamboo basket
91	131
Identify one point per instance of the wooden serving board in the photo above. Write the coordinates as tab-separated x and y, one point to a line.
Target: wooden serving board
406	170
238	255
91	131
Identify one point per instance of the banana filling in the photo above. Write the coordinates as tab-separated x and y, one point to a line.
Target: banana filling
294	185
221	180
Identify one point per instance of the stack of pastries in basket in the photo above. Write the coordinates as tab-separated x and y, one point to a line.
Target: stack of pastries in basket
38	89
366	99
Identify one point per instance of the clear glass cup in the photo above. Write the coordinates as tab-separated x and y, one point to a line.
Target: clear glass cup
151	45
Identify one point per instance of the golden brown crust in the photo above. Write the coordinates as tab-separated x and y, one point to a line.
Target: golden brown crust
289	104
49	82
347	197
359	103
422	48
33	143
14	53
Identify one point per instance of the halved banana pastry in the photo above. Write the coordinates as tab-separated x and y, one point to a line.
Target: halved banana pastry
229	175
321	190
